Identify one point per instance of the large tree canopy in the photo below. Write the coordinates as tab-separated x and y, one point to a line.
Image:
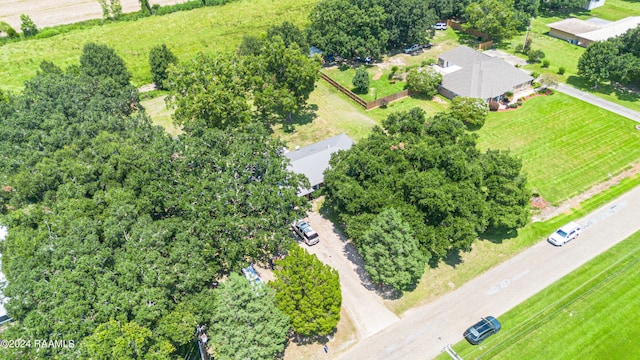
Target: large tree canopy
247	323
616	59
496	18
391	252
308	291
370	27
115	226
434	176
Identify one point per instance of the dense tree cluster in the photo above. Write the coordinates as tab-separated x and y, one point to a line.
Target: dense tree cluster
369	27
118	232
616	59
447	191
268	80
308	291
499	19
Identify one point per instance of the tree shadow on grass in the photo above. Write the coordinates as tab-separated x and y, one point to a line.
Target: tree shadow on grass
562	12
301	340
304	116
498	236
351	253
621	92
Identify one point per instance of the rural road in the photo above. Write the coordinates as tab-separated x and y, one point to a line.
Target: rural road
364	305
423	332
600	102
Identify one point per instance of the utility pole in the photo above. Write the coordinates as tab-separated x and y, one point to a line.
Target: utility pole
524	46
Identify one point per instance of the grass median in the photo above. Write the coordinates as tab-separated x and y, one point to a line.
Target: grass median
590	313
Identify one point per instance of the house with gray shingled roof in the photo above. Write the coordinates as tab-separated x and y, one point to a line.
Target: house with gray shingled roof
313	160
467	72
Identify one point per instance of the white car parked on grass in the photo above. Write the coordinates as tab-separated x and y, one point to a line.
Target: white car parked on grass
565	234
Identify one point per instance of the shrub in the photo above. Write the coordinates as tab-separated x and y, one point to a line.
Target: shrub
27	26
428	62
519	103
494	106
545	63
424	81
7	29
561	70
513	106
534	74
361	81
535	56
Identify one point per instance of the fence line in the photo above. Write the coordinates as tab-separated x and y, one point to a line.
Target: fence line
368	105
485	45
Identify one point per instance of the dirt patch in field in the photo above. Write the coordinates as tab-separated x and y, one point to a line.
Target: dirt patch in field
549	212
376	76
47	13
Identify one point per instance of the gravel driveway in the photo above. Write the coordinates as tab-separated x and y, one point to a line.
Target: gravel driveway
359	298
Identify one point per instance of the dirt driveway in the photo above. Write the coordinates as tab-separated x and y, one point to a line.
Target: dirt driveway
359	298
46	13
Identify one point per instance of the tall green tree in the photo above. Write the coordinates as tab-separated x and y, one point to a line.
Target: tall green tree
308	291
27	26
357	28
391	252
290	34
408	21
247	323
496	18
283	78
102	61
209	92
595	63
160	57
125	341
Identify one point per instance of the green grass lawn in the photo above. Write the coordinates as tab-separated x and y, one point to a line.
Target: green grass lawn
566	145
217	28
381	87
562	54
590	313
160	115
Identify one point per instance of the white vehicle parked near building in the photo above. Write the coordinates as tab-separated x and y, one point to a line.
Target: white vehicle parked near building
306	233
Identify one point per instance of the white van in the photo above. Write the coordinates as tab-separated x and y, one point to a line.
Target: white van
565	234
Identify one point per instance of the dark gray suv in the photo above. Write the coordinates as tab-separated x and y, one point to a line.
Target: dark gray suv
482	330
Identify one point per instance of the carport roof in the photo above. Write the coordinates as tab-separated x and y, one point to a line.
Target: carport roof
574	26
313	160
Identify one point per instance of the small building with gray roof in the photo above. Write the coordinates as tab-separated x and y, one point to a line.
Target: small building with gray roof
313	160
467	72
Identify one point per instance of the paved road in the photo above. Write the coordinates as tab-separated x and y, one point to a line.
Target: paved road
364	305
423	332
600	102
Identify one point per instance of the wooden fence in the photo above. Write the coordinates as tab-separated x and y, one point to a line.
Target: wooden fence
350	94
368	105
456	25
387	99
